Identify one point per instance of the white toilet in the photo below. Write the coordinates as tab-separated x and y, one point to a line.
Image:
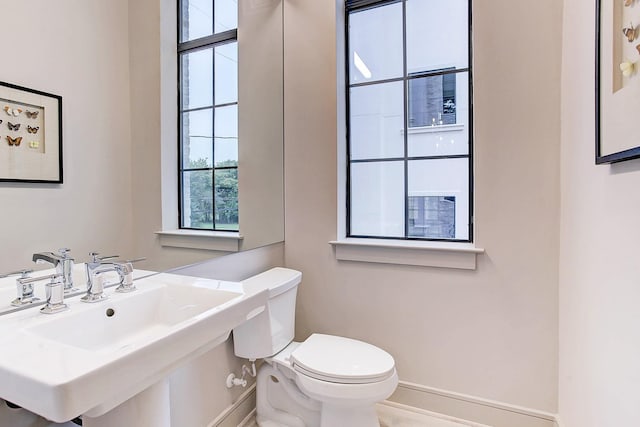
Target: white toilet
325	381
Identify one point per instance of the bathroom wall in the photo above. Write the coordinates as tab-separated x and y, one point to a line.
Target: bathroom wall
79	50
599	372
491	332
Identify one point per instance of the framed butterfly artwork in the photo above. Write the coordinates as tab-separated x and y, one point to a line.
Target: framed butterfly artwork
617	74
30	135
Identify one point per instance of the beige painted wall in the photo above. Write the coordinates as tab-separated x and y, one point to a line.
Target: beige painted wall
490	332
599	274
79	50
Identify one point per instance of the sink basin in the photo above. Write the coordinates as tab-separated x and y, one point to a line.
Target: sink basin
93	357
123	322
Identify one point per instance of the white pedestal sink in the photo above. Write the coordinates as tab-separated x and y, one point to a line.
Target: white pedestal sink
95	357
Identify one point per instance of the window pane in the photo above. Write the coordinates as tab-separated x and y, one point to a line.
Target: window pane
437	34
197	139
197	79
439	115
432	216
377	199
375	43
197	19
227	199
226	17
438	198
377	121
197	199
226	136
226	76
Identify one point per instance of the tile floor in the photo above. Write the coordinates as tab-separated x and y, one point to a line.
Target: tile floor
396	415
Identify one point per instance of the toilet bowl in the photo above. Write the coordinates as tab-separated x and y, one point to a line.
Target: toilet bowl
324	381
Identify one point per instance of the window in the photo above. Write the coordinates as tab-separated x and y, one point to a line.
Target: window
208	114
409	119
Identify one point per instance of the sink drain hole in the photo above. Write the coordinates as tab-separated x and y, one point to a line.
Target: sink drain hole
110	312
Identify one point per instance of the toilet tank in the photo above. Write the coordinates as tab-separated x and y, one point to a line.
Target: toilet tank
272	330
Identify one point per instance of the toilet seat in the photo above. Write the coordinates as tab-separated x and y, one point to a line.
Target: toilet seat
341	360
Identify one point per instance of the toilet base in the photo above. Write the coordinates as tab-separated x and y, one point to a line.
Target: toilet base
281	403
334	416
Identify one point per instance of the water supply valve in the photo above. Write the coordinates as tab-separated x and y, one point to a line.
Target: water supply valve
233	381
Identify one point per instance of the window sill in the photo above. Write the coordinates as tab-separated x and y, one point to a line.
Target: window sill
426	254
435	128
201	239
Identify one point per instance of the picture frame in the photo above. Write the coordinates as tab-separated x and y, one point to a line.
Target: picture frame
617	102
30	135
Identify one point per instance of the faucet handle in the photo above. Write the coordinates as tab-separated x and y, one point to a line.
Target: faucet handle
24	286
95	258
55	296
64	253
24	273
126	276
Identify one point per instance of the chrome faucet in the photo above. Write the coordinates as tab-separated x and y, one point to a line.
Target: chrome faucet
95	282
54	292
63	264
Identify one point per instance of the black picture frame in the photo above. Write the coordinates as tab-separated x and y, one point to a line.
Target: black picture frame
30	135
602	156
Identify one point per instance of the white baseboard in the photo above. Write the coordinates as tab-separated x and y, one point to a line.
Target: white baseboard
462	406
236	414
471	408
249	420
397	411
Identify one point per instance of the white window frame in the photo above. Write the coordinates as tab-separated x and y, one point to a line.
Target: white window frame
185	48
415	252
171	234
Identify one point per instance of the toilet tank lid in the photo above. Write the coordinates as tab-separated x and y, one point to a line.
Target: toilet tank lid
277	280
